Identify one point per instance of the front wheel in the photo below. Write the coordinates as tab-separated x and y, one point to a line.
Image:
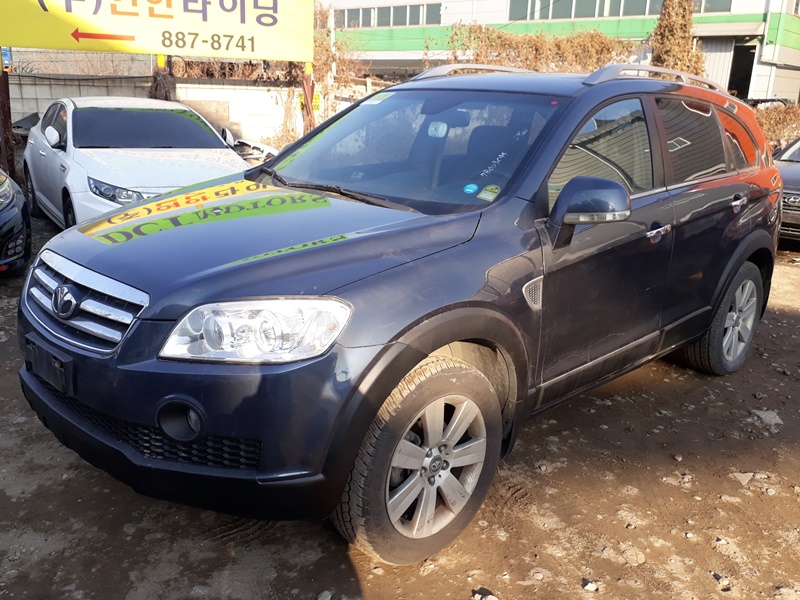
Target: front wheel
425	465
724	346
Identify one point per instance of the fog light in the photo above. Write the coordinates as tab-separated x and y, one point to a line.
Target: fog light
180	420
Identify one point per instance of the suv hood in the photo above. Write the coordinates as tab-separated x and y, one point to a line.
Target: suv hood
155	171
790	173
236	239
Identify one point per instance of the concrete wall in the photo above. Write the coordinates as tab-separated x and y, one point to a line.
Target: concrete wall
67	62
34	93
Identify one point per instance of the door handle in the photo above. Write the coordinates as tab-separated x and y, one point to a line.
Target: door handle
42	153
739	200
654	234
63	168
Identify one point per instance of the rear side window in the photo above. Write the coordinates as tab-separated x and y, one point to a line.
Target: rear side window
694	139
613	144
741	145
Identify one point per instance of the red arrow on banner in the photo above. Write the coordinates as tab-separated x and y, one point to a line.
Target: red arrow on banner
101	36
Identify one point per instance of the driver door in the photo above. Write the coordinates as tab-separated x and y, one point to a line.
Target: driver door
602	290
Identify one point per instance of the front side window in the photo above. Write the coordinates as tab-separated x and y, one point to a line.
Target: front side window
141	128
434	151
613	144
694	139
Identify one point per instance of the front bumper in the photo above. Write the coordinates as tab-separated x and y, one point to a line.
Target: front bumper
267	431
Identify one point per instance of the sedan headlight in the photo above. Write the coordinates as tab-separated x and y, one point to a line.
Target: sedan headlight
113	192
278	330
6	192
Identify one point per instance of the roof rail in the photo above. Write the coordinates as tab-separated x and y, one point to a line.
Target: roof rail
616	72
447	69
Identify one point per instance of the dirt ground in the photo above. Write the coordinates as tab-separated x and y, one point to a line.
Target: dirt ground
663	484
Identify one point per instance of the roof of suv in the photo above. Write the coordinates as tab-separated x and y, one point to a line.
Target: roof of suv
122	102
559	84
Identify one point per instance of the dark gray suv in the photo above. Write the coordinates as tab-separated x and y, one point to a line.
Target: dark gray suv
360	326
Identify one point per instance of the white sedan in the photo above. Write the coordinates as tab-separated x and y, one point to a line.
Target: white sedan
90	155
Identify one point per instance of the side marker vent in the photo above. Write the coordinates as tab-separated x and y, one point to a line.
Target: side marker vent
533	293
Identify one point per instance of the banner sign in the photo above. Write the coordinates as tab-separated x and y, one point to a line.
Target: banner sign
247	29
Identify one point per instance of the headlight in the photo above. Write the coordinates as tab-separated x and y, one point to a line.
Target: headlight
278	330
112	192
6	193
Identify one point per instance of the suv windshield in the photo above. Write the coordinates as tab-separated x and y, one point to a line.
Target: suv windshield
433	151
141	128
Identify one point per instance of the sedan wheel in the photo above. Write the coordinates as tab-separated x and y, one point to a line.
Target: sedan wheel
425	465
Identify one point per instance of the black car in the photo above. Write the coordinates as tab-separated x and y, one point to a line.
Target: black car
360	326
788	162
15	228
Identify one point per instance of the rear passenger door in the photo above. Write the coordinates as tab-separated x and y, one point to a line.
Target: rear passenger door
709	197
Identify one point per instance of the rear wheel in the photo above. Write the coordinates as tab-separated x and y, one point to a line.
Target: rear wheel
425	465
30	196
724	346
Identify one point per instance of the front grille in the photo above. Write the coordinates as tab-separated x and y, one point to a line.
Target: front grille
210	451
791	202
105	309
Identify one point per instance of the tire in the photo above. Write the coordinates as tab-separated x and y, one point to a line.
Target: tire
404	513
69	212
30	197
725	345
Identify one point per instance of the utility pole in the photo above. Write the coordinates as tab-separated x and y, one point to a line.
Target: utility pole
7	160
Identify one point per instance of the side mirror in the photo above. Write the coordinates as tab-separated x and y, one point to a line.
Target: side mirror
228	137
586	201
52	137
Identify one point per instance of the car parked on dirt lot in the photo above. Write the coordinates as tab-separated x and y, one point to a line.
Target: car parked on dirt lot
15	228
90	155
788	162
360	326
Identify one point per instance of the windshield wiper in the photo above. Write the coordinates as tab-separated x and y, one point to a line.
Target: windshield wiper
335	189
271	172
352	194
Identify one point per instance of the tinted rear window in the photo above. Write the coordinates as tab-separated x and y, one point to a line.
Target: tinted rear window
141	128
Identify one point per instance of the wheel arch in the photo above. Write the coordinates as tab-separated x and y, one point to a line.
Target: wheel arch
759	249
481	337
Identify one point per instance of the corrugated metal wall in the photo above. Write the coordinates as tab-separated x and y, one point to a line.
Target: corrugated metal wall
719	56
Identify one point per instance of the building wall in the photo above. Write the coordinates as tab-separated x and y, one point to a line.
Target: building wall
65	62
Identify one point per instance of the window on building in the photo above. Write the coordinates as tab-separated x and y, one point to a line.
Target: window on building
368	17
693	139
542	9
518	10
561	9
634	8
415	14
338	18
585	10
353	17
384	16
712	6
433	14
399	16
654	8
612	8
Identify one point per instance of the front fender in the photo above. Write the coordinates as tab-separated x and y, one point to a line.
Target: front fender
468	324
